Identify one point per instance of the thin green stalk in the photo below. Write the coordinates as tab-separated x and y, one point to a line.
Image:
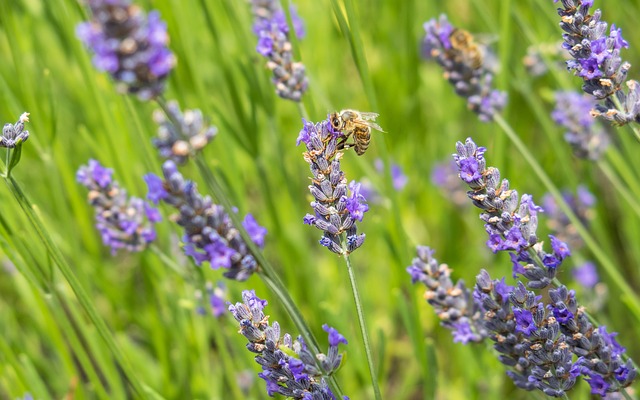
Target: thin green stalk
607	264
363	325
29	209
227	360
620	188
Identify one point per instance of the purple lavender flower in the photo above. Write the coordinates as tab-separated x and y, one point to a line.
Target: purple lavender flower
215	300
14	134
527	337
453	304
129	45
586	275
574	112
123	222
460	63
209	233
336	206
600	356
288	367
178	143
596	58
511	225
581	204
272	30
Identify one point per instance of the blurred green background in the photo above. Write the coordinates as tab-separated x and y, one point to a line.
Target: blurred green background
49	347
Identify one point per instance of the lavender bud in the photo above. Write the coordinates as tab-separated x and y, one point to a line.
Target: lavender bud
575	113
453	304
130	45
123	222
209	233
181	135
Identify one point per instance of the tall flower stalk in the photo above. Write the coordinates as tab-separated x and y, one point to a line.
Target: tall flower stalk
337	206
511	225
123	222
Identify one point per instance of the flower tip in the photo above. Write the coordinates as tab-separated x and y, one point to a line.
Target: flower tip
24	117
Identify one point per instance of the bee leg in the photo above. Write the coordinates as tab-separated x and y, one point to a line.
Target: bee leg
343	145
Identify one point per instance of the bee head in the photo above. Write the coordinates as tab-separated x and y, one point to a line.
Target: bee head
336	122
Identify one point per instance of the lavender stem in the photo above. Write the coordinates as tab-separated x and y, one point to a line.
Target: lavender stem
361	321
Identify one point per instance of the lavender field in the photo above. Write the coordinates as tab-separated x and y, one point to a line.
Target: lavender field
340	199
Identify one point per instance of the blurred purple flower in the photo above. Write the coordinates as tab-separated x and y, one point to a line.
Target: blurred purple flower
129	45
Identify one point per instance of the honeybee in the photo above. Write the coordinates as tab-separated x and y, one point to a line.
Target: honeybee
465	49
354	124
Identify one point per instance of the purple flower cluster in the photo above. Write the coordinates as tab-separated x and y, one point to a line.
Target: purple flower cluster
129	45
209	233
453	304
528	336
273	43
181	135
337	206
14	134
596	59
573	111
215	300
600	356
511	224
465	67
581	204
288	367
123	222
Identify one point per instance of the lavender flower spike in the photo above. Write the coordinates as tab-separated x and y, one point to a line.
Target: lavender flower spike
465	66
337	205
123	222
178	143
14	134
209	234
453	304
273	43
596	59
527	336
288	367
510	224
573	112
129	45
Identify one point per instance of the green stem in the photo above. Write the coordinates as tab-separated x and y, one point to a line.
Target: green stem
227	360
363	325
56	255
605	167
607	264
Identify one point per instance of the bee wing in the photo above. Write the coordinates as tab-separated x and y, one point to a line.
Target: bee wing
369	115
372	125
